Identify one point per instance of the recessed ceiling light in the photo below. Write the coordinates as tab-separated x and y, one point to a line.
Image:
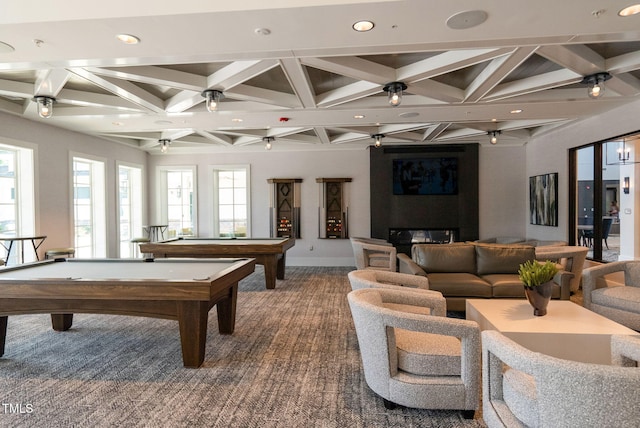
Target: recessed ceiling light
128	39
5	48
117	123
362	26
359	116
467	19
634	9
236	119
409	114
262	31
516	111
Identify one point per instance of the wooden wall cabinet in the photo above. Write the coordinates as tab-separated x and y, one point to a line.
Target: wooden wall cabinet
334	208
285	207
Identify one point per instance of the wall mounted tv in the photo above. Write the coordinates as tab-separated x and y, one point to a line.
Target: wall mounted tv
425	176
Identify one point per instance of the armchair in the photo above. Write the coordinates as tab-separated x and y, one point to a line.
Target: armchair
522	388
620	303
417	360
376	254
570	258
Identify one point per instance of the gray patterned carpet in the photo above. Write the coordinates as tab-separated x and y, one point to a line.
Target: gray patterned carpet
293	361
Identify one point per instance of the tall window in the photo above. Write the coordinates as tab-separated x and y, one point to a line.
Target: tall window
17	200
89	208
177	201
129	206
231	200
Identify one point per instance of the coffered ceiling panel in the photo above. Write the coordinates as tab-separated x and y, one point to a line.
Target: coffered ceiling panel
299	73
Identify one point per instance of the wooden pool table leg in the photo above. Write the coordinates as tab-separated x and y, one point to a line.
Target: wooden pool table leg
227	311
192	320
61	322
281	264
270	270
3	334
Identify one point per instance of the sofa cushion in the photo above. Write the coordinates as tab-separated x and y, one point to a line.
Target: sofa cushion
505	285
445	257
502	258
426	354
459	285
624	297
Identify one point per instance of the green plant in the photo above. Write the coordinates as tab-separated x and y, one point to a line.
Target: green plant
533	273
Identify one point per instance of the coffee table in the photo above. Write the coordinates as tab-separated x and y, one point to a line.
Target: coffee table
568	331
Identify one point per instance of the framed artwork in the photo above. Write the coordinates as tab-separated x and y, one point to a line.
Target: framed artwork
543	199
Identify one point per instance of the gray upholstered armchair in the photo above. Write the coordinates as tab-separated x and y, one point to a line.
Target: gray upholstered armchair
522	388
618	302
413	359
376	254
570	258
384	279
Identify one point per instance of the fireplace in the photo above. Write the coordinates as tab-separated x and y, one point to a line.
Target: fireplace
404	238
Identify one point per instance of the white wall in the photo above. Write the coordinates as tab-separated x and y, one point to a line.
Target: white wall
550	153
307	165
53	186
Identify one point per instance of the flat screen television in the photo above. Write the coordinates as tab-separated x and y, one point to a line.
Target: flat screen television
425	176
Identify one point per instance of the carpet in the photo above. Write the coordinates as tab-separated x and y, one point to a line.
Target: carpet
293	361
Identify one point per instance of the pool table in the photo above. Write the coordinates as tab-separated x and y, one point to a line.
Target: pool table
269	252
178	289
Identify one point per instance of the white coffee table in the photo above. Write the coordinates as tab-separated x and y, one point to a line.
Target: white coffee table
568	331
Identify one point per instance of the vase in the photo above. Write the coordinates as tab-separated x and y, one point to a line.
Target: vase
539	297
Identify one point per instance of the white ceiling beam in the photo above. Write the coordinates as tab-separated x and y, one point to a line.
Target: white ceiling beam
237	73
11	88
345	94
124	89
216	138
350	137
175	134
536	83
50	82
436	91
432	132
447	62
623	63
577	58
626	85
354	67
154	75
495	72
263	96
299	80
183	101
322	135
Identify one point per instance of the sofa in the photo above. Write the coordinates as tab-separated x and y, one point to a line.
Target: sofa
521	241
475	270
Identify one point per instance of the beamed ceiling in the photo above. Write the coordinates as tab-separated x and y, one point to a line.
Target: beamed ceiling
313	82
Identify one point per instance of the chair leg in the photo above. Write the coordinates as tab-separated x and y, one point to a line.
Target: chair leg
389	405
468	414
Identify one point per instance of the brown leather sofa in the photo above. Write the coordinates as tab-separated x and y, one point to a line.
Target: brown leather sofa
476	271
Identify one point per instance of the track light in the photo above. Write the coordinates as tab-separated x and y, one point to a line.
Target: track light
267	142
394	91
596	84
494	136
164	145
212	98
378	139
45	106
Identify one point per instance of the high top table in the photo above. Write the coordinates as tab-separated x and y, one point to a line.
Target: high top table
568	331
36	242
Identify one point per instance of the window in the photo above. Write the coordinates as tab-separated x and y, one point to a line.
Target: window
129	207
89	208
17	200
178	200
231	201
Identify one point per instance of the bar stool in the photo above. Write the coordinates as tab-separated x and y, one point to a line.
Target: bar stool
136	245
59	253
